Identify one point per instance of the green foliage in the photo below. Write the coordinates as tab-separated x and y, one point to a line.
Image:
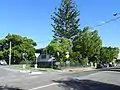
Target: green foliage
85	47
62	46
107	54
76	57
19	46
87	43
1	55
65	19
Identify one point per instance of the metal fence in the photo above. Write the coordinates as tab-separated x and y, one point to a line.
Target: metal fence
64	65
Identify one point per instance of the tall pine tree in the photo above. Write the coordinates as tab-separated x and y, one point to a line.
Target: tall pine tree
65	20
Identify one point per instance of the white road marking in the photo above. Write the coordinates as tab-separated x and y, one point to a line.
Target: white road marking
43	86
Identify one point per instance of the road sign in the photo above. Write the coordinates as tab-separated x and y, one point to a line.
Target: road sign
67	56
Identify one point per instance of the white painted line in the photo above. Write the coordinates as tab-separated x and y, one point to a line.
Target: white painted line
43	86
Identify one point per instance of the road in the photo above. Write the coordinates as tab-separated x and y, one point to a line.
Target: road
108	79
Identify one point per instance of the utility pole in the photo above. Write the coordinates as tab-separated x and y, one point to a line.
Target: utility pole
10	54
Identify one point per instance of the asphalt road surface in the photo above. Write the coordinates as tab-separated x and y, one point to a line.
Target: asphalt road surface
107	79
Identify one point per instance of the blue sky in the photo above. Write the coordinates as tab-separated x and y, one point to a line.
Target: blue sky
32	18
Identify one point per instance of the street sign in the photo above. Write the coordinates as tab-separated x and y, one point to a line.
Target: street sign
36	54
67	56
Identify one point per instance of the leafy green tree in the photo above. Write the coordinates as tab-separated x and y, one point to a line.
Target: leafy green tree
88	44
65	20
62	46
76	57
1	55
19	45
107	54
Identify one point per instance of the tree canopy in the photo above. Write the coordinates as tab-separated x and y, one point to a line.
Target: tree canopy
107	54
65	20
87	43
20	46
60	46
85	47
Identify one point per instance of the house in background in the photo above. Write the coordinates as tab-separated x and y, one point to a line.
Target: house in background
44	60
39	51
118	56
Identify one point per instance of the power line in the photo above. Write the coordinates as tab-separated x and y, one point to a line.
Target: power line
114	19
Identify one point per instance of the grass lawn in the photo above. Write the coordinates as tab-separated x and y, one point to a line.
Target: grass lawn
76	69
20	66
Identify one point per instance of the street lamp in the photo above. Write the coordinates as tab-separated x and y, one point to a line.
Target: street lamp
108	21
115	14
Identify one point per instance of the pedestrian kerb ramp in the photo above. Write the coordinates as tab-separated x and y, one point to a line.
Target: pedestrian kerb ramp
31	72
36	72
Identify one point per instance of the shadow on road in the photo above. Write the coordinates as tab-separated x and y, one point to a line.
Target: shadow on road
117	69
9	88
74	84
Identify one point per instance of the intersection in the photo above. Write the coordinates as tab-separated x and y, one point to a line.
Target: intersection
90	80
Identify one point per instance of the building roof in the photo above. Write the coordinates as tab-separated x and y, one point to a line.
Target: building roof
39	50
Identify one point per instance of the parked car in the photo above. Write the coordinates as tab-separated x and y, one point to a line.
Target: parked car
100	65
111	64
3	62
105	65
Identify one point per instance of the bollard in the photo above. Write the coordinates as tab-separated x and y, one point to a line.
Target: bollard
91	63
24	66
35	66
95	65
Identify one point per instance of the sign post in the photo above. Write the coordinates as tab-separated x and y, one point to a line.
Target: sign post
67	57
36	60
24	63
58	63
